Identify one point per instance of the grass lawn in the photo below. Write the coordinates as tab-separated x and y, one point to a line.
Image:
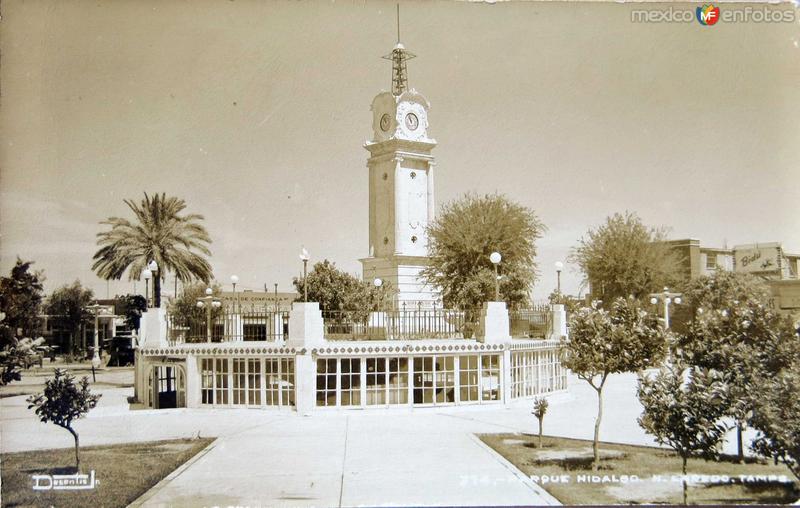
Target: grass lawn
122	472
571	460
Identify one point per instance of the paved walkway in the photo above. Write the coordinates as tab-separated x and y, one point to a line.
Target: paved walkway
340	458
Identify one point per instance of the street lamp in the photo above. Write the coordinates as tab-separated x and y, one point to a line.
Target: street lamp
495	258
559	267
153	267
147	274
668	299
234	281
96	354
304	258
209	301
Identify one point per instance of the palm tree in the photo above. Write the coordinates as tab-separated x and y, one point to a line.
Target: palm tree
161	234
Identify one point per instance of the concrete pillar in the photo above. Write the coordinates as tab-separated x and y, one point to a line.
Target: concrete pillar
153	328
559	319
505	371
306	327
493	327
305	375
193	380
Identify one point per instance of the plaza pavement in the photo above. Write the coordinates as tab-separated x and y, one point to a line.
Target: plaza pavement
339	458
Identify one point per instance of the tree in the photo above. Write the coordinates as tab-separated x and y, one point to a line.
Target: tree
624	257
335	289
184	311
539	410
131	307
733	331
15	356
775	415
625	339
62	402
21	296
175	242
682	409
68	307
463	236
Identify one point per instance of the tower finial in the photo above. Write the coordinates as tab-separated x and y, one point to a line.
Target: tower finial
399	56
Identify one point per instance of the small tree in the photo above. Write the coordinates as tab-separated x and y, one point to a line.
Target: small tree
131	307
64	401
184	310
624	257
335	289
68	306
463	237
21	296
16	356
601	343
539	409
733	331
682	408
776	412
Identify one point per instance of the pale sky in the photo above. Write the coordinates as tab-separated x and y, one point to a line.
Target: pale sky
255	113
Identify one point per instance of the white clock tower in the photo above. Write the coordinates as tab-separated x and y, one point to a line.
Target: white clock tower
401	202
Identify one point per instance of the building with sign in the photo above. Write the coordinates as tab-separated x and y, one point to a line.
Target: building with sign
779	268
253	350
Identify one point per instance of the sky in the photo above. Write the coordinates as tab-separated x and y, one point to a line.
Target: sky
256	114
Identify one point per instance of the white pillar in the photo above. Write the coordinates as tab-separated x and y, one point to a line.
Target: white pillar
193	381
400	206
306	327
153	327
305	382
505	377
493	327
559	319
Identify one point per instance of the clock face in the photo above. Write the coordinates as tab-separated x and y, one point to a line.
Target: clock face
385	122
412	122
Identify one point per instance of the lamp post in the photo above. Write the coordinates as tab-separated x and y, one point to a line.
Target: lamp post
234	281
304	258
95	354
147	274
209	301
667	298
153	267
378	282
495	258
559	267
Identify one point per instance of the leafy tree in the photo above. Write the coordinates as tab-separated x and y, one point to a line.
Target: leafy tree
682	409
64	401
463	236
176	242
68	307
15	356
624	339
734	331
21	296
624	257
131	307
570	303
335	289
775	415
184	311
539	410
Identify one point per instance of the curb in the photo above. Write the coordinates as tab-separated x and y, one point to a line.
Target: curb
547	498
155	489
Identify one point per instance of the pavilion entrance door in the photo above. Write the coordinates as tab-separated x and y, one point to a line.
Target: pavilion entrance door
165	386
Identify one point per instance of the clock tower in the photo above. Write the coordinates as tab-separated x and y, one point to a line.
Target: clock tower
401	200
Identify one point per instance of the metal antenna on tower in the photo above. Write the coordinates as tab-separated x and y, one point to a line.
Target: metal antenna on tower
399	56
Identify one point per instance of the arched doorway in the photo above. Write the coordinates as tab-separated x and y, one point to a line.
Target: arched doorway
168	386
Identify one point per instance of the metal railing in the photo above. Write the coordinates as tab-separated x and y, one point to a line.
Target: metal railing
228	325
400	324
530	323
